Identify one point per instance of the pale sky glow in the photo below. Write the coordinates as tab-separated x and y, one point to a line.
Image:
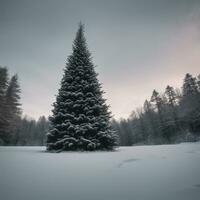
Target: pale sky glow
137	46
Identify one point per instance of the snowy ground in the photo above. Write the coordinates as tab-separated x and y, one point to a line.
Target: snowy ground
167	172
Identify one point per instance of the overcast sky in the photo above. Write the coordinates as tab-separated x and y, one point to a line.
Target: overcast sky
137	45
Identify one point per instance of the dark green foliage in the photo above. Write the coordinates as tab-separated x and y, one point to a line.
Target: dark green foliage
9	107
3	88
31	132
13	96
190	86
158	103
168	118
15	130
198	82
172	108
80	119
190	104
13	111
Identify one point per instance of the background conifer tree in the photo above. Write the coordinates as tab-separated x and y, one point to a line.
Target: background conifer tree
190	103
9	107
172	100
80	120
3	88
13	110
159	107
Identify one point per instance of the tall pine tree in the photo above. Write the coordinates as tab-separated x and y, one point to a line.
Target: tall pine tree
13	110
172	100
3	88
9	107
80	120
190	86
159	105
190	103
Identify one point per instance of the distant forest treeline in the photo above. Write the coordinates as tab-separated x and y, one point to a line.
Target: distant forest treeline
15	129
169	117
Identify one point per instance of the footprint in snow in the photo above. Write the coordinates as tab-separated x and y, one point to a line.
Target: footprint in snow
127	161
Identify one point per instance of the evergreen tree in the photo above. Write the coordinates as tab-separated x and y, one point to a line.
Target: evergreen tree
126	133
171	96
31	132
190	103
13	96
190	86
151	121
13	110
3	88
3	83
172	100
155	98
198	82
80	120
158	102
42	127
142	127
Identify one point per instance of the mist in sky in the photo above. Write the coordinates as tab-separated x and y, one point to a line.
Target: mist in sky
137	46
